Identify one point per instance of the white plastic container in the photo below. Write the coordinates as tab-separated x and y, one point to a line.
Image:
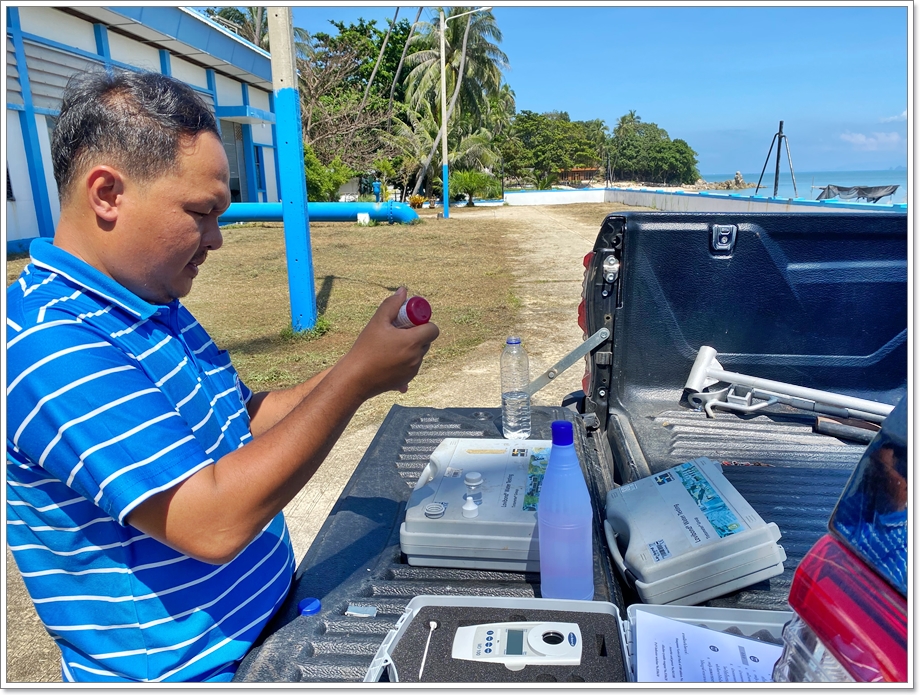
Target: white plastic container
382	659
498	481
686	535
747	621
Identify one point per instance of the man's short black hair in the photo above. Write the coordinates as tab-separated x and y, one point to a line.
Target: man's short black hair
136	121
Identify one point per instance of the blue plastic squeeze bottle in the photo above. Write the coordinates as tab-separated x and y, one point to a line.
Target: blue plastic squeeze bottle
564	523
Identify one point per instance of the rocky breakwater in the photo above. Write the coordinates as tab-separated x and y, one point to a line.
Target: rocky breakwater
734	184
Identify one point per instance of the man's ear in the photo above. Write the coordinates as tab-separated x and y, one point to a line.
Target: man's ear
105	186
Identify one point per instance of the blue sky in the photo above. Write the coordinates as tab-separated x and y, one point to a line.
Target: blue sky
720	77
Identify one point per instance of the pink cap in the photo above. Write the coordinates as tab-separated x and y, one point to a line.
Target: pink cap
418	310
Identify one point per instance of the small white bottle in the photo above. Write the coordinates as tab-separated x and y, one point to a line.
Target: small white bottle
515	377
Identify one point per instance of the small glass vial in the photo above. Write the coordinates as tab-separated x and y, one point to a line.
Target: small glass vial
414	312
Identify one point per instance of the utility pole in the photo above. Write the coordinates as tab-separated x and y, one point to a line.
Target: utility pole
289	129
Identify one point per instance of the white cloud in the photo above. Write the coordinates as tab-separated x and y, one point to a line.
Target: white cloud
901	117
875	141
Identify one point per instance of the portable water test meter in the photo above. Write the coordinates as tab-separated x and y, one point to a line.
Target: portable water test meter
517	645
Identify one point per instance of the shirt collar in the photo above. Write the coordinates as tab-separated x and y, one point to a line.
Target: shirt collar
50	257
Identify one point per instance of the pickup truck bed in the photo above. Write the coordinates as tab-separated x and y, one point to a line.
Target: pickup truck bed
355	559
815	300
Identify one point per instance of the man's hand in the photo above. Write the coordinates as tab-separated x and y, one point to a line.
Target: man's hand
386	358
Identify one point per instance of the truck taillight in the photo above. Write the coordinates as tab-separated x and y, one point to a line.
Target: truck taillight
855	614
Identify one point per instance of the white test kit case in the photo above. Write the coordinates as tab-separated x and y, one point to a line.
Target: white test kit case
474	506
686	535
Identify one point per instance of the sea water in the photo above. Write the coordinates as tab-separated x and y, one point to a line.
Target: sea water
810	183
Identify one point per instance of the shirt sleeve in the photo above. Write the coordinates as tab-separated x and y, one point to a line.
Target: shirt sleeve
83	409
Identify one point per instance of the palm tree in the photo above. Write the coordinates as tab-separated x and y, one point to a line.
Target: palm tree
472	183
251	23
482	69
402	59
500	110
412	139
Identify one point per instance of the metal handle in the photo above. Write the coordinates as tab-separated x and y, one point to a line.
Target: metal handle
567	361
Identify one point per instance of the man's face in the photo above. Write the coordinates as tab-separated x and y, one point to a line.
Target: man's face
169	224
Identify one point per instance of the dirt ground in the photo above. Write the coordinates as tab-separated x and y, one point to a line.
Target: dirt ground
551	242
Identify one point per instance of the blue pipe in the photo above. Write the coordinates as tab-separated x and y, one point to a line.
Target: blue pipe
389	212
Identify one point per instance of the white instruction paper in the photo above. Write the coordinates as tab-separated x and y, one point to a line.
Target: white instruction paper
672	651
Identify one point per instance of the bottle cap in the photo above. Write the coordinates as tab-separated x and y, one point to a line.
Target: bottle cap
473	478
513	340
418	310
309	606
562	433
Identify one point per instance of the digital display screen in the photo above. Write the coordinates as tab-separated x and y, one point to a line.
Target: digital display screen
515	643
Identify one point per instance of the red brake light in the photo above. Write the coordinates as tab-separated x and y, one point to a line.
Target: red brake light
854	612
586	261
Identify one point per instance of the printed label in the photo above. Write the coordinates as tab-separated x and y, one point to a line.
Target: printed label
722	518
536	469
659	550
453	472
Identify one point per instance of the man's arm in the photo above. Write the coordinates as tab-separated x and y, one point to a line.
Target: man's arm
216	512
266	408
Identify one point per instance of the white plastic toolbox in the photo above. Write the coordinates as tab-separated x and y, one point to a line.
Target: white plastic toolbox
686	535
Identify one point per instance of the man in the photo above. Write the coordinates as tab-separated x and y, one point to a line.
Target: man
145	482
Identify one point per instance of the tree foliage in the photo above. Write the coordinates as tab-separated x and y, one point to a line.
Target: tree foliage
324	181
642	151
371	105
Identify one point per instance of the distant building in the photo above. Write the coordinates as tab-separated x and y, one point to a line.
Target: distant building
46	45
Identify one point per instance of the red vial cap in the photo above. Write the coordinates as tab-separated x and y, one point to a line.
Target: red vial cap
418	310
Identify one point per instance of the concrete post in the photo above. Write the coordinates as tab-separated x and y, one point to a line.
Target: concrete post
293	191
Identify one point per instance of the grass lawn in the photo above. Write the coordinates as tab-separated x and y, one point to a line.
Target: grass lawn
241	296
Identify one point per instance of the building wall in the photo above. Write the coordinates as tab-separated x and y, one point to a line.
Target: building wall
45	46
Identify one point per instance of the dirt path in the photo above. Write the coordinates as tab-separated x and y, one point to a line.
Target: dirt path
550	247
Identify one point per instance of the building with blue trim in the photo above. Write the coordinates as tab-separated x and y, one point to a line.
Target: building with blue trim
46	45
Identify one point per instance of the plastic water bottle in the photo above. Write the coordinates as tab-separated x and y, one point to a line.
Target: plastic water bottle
515	372
564	523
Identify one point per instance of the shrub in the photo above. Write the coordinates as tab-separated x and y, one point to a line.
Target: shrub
416	201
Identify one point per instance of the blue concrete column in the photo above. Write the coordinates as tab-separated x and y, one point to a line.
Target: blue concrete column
290	163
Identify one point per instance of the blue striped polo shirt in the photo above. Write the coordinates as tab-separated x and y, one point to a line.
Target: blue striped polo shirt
111	400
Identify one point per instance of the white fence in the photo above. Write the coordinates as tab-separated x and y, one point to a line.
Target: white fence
685	201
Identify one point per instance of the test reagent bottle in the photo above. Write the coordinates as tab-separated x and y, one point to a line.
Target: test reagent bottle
564	523
414	312
515	377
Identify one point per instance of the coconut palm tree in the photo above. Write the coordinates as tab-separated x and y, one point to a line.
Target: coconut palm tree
402	59
251	23
482	67
412	139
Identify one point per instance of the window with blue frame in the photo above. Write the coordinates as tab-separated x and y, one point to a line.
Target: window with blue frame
260	168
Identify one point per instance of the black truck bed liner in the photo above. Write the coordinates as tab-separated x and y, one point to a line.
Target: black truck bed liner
355	559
